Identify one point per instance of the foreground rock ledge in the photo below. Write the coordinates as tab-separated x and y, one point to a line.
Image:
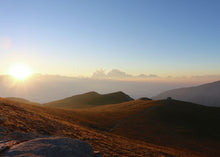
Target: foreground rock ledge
51	147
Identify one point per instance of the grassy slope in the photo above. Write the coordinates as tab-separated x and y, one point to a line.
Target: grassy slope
43	120
90	99
21	100
170	123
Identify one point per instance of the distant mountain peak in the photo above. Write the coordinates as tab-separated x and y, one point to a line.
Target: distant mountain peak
119	92
92	93
205	94
90	99
144	98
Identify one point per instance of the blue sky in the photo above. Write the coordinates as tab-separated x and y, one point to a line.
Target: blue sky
71	38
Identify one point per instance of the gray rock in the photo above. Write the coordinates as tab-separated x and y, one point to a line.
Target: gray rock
6	145
51	147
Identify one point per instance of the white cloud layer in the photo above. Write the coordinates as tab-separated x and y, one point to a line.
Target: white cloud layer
118	74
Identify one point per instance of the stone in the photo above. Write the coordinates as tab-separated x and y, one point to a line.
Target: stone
6	145
50	147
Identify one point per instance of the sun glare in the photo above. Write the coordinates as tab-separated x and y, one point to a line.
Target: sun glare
20	72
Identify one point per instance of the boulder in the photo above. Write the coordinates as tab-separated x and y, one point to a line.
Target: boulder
6	145
51	147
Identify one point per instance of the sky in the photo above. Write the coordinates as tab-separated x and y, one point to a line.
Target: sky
169	38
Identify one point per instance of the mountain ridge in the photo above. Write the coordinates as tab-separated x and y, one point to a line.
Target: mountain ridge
22	100
21	119
205	94
90	99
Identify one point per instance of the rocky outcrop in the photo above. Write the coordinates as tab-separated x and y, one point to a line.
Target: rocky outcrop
50	147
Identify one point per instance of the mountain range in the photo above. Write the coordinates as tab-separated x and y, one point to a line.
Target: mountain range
206	94
90	99
113	130
117	125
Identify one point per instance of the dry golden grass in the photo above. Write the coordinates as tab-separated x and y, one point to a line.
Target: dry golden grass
91	125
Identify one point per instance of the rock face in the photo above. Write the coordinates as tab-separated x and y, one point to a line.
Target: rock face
50	147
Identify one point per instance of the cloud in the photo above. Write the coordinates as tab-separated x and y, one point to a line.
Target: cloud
206	76
115	73
147	76
45	87
118	74
99	74
196	77
5	42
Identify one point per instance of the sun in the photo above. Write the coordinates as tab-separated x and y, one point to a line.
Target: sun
20	72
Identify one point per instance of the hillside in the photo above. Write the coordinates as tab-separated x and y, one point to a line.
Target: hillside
206	94
21	100
175	124
18	120
172	123
90	99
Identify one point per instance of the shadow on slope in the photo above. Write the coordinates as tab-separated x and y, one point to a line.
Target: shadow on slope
164	122
18	117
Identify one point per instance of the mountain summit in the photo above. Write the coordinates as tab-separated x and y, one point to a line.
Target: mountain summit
206	94
90	99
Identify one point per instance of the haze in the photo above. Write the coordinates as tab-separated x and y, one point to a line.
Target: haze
142	48
98	78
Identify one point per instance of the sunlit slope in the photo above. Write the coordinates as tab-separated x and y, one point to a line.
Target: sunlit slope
90	99
206	94
165	122
21	100
177	116
48	121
